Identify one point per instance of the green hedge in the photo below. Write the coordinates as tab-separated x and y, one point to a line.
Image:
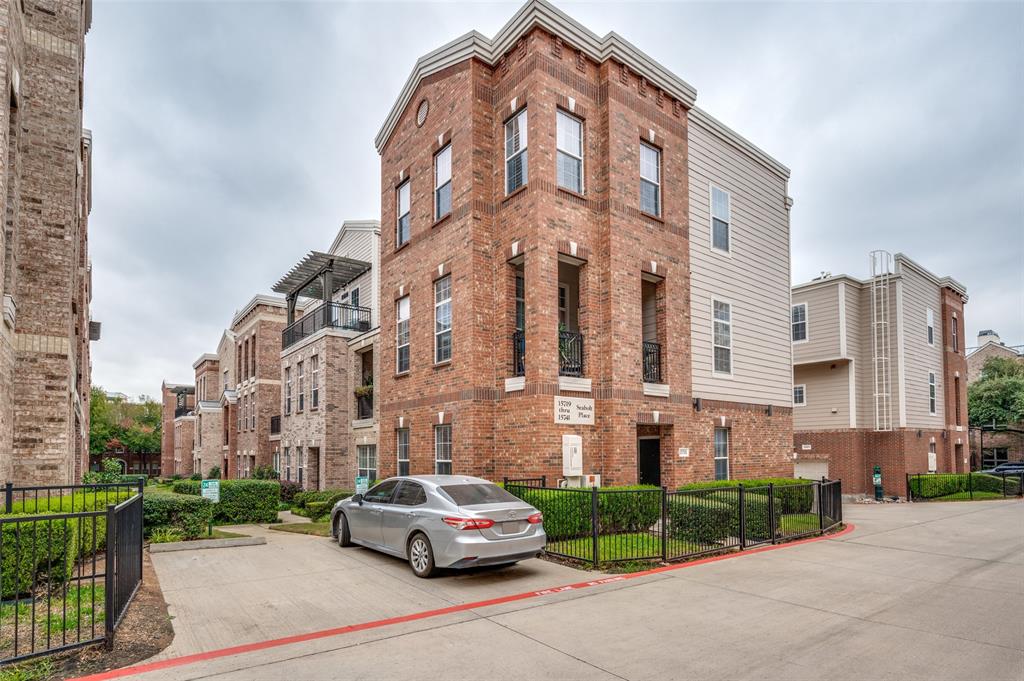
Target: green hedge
241	501
318	509
792	495
567	512
946	484
699	520
633	512
189	515
48	550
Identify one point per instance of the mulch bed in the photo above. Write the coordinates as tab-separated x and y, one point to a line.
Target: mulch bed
144	632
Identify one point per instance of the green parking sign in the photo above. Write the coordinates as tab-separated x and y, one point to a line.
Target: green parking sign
211	490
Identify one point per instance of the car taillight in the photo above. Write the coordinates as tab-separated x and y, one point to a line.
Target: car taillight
536	519
469	523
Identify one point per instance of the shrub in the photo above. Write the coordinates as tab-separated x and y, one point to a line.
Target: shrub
265	473
110	472
635	509
699	519
757	518
214	473
241	501
792	495
176	476
566	512
318	509
288	490
946	484
196	477
133	478
188	515
329	496
165	535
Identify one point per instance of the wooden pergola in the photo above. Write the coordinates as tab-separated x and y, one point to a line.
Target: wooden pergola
318	276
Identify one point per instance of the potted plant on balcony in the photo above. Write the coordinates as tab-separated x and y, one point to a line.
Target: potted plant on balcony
364	400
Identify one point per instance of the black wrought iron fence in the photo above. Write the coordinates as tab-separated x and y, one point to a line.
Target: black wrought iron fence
652	362
518	353
570	353
614	525
70	563
963	486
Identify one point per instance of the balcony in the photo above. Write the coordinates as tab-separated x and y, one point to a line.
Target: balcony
570	353
518	353
181	411
275	425
328	315
652	362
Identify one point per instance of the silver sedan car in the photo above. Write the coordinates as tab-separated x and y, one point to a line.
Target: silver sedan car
440	521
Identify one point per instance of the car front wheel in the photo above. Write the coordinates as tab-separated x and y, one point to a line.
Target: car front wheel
421	556
344	538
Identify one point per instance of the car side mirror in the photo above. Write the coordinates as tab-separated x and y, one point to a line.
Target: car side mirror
358	498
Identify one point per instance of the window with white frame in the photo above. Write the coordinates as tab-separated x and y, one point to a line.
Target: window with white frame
799	321
516	174
300	379
252	412
314	381
799	395
287	464
366	456
402	335
287	390
930	322
404	200
355	297
955	333
570	152
722	336
238	414
443	182
402	438
650	179
443	449
277	462
300	464
721	453
443	319
721	219
931	393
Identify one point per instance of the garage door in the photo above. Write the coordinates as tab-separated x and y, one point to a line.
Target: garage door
810	470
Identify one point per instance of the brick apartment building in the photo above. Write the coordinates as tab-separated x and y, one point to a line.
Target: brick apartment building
879	375
993	444
178	401
45	275
329	367
582	273
208	447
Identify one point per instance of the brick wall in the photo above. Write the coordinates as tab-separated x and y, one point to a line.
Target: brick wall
261	328
599	240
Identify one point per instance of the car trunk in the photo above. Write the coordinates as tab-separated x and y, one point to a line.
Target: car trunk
509	518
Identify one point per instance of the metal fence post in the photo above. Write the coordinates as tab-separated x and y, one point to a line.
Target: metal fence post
8	496
821	506
142	522
910	490
593	524
970	485
543	481
771	509
1004	485
109	616
743	520
664	525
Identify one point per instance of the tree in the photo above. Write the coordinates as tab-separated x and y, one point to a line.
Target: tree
998	396
135	426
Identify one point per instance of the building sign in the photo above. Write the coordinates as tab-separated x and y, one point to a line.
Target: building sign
211	490
574	411
362	484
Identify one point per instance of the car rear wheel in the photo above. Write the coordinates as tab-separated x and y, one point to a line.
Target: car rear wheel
421	556
344	538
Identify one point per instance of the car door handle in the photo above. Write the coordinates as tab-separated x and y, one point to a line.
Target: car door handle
412	514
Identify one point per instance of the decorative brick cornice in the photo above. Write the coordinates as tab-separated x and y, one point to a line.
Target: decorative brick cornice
573	249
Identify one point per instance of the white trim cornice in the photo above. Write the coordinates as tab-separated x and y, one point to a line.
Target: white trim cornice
535	13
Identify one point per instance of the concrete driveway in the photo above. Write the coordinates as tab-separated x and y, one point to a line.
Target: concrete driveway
922	591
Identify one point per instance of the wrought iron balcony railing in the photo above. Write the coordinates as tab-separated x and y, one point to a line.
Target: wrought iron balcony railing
652	362
570	353
327	315
518	353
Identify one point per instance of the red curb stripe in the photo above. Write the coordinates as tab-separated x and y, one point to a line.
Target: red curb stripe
426	614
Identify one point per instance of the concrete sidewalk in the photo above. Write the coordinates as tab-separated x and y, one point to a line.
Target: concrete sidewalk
919	591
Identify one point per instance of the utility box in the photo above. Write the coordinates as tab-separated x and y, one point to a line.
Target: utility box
572	456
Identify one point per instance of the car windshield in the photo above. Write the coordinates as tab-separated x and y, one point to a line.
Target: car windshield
473	494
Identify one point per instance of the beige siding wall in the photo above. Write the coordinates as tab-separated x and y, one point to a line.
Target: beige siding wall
363	244
920	358
822	323
754	278
827	387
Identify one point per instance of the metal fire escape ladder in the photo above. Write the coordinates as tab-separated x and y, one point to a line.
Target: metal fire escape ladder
881	275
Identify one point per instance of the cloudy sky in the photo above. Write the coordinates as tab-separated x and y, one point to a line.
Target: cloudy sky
232	137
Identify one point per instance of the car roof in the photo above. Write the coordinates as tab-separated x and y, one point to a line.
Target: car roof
440	480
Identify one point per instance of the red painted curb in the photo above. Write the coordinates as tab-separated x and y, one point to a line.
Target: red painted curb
426	614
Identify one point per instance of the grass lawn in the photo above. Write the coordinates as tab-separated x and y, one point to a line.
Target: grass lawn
317	529
966	496
798	523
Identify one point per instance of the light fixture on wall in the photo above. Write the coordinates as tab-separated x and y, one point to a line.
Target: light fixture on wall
696	404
